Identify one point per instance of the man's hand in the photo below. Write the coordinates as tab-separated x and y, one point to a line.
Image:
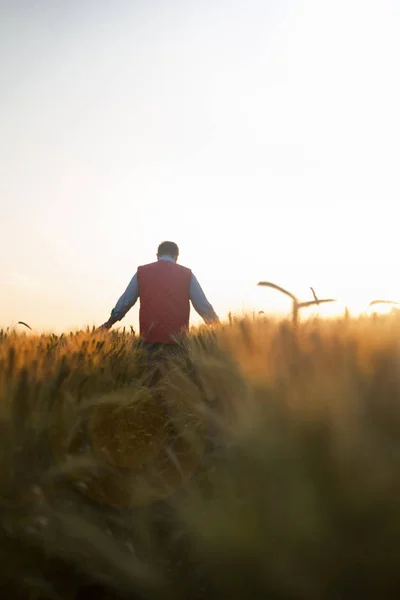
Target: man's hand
105	327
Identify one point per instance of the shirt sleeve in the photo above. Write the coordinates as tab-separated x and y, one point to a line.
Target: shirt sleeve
127	300
200	302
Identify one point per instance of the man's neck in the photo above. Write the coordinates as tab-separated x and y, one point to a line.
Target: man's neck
169	258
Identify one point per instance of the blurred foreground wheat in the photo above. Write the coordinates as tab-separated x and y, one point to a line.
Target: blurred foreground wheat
264	463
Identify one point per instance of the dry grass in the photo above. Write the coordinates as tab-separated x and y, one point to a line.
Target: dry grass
262	465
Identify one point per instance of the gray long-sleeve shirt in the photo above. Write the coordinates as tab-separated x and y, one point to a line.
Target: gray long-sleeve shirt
131	295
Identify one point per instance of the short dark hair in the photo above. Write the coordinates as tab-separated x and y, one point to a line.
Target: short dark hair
168	249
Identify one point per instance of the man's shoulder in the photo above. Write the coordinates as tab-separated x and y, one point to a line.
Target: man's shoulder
183	268
147	265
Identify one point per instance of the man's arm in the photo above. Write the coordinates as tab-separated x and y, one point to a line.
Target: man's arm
200	302
125	303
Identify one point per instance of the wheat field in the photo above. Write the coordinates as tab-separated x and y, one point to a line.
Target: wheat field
263	462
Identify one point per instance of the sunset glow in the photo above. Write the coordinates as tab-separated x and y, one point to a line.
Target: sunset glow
262	137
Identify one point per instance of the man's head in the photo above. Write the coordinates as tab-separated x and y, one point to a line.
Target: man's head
168	249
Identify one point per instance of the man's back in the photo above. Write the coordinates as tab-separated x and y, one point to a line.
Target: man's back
164	300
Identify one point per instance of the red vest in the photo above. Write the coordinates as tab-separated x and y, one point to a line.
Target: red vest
164	301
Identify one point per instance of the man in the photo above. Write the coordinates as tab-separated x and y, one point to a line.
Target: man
165	290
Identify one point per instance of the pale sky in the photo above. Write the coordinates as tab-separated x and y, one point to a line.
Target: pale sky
262	136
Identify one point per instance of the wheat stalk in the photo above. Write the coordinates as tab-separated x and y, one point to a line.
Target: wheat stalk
296	305
383	302
25	324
